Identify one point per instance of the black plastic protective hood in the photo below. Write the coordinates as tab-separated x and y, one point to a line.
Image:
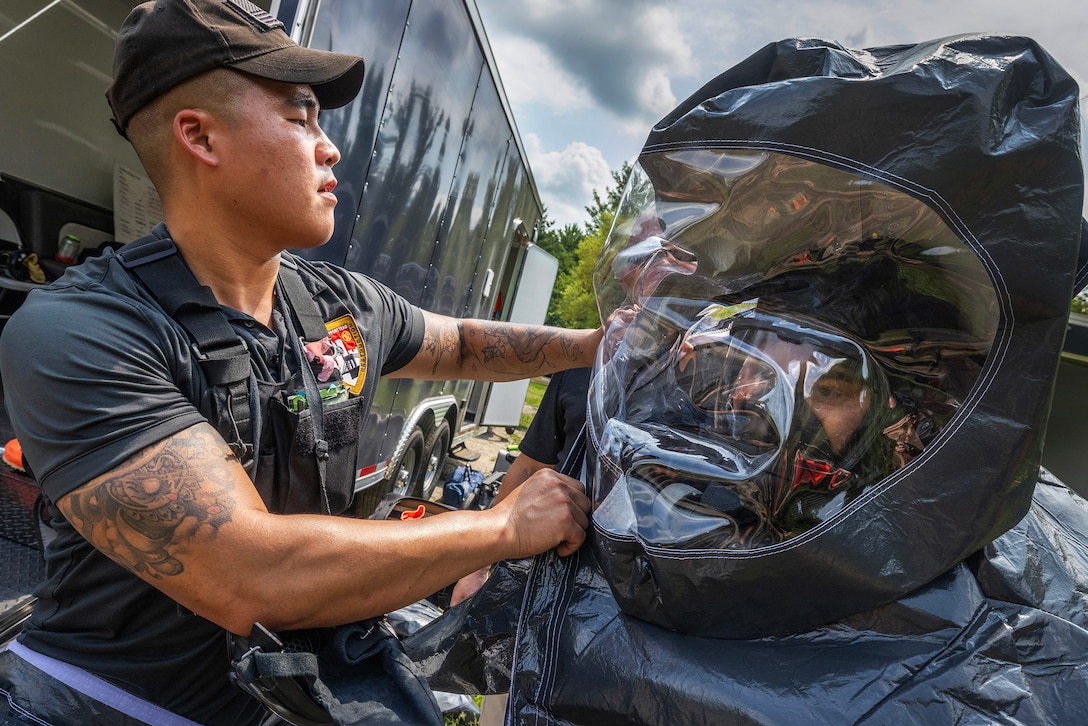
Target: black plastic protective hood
984	133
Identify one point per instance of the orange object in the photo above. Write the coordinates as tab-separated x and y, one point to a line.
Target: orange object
13	455
418	513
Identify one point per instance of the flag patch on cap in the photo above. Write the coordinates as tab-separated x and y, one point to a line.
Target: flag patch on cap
259	17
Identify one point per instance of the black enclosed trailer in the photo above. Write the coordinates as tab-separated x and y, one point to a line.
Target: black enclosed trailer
1067	427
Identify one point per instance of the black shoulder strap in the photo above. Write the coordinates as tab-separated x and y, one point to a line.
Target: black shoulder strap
221	354
308	326
576	457
301	302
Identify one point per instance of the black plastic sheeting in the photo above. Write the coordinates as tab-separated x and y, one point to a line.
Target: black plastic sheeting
1000	638
961	595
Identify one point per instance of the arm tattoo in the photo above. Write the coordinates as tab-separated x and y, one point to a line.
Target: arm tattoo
507	345
442	343
146	510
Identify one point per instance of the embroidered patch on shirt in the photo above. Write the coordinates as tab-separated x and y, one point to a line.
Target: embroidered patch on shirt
349	351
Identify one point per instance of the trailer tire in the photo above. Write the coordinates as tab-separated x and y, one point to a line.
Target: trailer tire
434	459
402	477
407	473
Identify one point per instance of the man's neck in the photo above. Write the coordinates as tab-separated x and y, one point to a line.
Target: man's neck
239	274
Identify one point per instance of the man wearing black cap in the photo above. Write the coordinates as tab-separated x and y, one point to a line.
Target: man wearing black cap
187	480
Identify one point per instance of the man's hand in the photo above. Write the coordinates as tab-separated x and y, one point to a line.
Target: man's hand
546	510
549	510
615	328
524	466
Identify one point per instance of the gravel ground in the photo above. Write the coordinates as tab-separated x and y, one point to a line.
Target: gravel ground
482	451
485	448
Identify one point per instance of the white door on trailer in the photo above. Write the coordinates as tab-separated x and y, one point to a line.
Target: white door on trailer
534	291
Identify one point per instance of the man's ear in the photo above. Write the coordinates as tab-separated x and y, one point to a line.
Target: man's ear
193	131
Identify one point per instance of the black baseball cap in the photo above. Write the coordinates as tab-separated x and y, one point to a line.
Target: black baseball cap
165	42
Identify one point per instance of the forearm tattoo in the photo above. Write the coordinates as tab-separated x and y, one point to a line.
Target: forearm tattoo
442	343
146	511
521	349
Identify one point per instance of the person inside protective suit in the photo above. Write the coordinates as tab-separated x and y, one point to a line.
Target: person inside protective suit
745	410
796	408
813	447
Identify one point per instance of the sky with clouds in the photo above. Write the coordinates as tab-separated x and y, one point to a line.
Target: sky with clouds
587	79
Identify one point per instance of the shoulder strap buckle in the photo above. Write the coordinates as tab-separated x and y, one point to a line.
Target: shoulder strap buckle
217	349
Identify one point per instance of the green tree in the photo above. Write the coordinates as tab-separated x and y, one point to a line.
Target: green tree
611	202
577	304
573	304
1080	303
562	244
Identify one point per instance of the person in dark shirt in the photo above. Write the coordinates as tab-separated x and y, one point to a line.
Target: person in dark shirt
547	444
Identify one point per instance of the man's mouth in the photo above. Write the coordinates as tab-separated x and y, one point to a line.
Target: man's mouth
327	187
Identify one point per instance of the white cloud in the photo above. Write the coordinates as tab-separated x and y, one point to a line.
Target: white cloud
531	76
566	179
723	34
621	53
664	23
656	94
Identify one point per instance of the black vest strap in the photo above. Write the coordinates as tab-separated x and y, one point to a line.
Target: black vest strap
301	303
308	327
219	351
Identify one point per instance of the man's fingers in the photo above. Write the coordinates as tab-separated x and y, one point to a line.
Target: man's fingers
549	510
578	511
570	546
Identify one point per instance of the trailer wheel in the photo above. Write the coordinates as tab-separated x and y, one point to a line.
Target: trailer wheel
408	470
437	449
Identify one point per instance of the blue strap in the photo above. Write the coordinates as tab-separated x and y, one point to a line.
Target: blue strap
98	689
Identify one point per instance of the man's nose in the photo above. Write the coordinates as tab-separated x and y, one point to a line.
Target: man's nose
327	153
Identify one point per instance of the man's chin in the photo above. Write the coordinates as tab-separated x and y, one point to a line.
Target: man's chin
311	242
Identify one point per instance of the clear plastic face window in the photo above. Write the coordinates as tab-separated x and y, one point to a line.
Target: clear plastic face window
780	337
